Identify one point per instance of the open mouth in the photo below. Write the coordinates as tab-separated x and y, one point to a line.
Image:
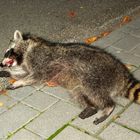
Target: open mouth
8	62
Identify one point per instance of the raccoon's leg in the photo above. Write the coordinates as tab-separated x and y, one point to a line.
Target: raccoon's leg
87	112
18	73
85	103
109	106
5	74
28	80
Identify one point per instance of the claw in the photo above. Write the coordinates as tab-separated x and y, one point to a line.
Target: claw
10	87
99	120
87	112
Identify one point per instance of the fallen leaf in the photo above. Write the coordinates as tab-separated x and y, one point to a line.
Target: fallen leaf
51	84
1	104
116	117
72	14
91	40
105	34
126	19
11	81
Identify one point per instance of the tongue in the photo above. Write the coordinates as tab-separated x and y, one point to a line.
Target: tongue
9	62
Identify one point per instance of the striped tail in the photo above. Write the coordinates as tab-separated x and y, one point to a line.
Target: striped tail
134	91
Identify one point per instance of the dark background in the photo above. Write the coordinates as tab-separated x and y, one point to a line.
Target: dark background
61	20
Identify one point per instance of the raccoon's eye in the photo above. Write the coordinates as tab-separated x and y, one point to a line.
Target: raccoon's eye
9	53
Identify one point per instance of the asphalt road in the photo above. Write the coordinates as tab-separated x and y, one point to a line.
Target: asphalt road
60	20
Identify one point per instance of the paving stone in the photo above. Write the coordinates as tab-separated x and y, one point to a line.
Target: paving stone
136	51
116	132
113	50
135	23
128	29
7	102
130	117
21	93
38	86
128	58
53	119
15	118
137	74
88	125
71	133
119	54
58	92
128	43
110	39
24	134
122	101
40	100
135	32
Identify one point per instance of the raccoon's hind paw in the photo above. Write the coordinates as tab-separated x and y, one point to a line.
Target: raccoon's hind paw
105	114
87	112
99	120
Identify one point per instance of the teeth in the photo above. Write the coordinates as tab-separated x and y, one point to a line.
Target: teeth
7	62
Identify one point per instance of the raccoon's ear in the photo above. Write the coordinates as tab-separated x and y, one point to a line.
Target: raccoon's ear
18	35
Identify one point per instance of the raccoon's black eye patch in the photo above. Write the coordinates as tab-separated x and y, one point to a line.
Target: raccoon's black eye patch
9	53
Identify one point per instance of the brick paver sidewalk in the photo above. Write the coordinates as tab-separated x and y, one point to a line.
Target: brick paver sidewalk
38	113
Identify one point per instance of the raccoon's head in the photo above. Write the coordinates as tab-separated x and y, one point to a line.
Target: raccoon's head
14	54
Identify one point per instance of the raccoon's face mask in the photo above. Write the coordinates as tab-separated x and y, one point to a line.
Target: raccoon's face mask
13	56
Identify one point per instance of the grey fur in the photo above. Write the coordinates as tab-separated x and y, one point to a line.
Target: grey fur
92	75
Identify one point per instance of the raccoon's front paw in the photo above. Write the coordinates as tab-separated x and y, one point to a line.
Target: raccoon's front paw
13	86
10	87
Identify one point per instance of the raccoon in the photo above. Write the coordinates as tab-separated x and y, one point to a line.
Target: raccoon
93	76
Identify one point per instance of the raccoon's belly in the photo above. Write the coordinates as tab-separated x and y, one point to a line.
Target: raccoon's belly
66	79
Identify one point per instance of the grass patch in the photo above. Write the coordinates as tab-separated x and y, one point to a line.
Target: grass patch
57	132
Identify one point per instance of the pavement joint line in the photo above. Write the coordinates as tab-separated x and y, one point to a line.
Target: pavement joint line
62	128
113	119
31	106
30	120
37	109
33	132
132	49
84	131
22	101
136	70
120	104
28	95
23	126
17	99
127	127
10	107
38	88
69	124
136	55
69	102
79	128
57	132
